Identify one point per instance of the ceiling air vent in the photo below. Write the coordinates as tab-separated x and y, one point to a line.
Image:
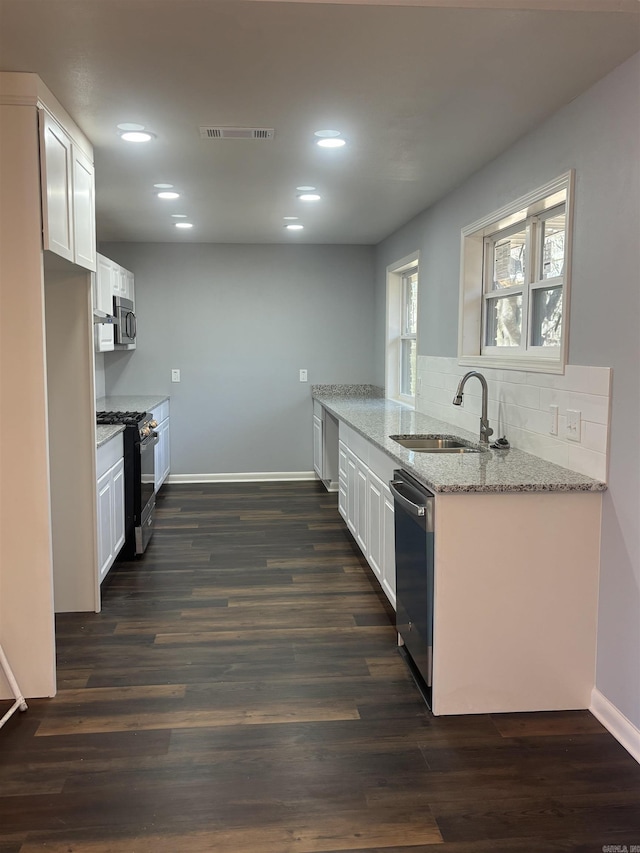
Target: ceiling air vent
237	133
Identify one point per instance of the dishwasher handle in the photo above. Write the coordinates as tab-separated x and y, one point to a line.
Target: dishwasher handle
416	501
410	506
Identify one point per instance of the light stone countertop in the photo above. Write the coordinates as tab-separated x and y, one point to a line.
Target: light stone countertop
130	403
105	432
490	471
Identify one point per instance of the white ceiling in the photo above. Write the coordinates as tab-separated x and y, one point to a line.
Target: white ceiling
425	92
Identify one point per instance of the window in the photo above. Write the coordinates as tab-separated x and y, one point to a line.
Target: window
515	283
408	333
402	329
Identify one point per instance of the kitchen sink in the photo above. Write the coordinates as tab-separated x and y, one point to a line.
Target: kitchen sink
435	444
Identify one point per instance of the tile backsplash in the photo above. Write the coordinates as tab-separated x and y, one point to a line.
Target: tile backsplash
519	408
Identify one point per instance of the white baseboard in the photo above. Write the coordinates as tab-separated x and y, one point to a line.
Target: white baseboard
251	477
612	719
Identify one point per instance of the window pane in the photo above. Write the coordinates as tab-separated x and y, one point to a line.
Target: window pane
408	368
553	230
509	260
410	303
504	321
546	322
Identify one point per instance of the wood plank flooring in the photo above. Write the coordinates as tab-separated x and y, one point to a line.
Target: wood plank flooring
241	692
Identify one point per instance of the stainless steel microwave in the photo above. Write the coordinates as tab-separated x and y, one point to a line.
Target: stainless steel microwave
124	321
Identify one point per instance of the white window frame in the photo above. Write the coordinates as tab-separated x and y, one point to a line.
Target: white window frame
395	326
475	269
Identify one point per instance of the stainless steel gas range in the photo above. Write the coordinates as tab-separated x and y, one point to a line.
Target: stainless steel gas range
140	438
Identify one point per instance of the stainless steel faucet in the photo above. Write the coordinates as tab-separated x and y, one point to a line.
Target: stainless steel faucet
485	429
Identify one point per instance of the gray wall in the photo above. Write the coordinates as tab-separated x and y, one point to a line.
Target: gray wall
239	322
598	135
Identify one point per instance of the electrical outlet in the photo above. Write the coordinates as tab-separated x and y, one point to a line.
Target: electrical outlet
175	375
574	418
303	376
553	423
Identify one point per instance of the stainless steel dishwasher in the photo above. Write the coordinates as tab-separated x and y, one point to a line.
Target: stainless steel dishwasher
413	519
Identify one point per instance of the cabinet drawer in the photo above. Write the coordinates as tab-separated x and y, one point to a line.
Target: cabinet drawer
161	411
382	465
108	454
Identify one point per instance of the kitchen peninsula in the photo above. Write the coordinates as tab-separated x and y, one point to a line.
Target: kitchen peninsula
516	547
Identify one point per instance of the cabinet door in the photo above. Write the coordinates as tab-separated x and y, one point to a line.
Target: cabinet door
105	524
104	284
352	493
317	445
104	337
375	521
84	210
342	480
158	460
117	506
167	449
128	285
56	178
162	457
361	505
118	280
389	547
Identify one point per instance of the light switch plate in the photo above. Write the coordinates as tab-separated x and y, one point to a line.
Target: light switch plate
175	375
303	375
553	422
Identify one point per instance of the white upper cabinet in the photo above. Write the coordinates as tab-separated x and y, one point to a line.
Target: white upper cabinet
104	284
84	210
57	199
103	301
68	196
129	292
122	282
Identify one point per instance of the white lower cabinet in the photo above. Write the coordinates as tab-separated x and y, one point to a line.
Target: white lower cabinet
388	546
361	505
375	524
342	480
366	504
317	445
162	450
110	503
163	454
325	445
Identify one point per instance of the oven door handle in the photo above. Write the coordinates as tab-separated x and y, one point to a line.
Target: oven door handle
150	441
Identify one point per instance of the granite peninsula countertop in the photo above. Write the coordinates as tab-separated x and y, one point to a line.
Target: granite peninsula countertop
124	403
376	418
130	403
105	432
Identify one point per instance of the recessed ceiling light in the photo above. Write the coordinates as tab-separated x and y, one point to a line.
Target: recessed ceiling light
309	197
331	142
163	186
137	136
291	218
292	227
305	189
178	215
327	134
168	194
184	225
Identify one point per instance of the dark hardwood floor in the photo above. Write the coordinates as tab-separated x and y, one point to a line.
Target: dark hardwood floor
241	692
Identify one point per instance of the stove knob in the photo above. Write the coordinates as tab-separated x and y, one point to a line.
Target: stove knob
153	424
144	432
